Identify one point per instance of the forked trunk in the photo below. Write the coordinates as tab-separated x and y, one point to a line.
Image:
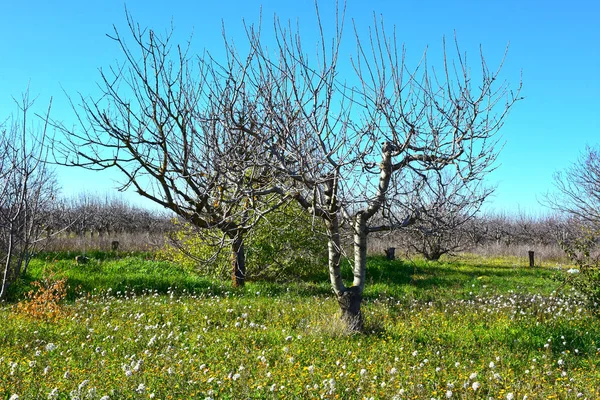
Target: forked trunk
238	261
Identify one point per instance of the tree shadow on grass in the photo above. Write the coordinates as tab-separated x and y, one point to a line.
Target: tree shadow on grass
420	279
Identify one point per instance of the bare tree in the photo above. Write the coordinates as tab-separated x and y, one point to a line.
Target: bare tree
578	188
27	189
446	204
348	150
157	124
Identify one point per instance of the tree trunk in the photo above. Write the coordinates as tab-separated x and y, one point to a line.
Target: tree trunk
334	253
238	261
6	276
350	301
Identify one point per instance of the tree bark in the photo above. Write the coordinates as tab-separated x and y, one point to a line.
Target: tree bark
350	301
334	249
238	261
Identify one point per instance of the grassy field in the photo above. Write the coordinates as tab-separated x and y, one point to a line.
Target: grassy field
136	328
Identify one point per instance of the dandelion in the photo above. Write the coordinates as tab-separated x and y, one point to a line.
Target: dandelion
83	384
53	394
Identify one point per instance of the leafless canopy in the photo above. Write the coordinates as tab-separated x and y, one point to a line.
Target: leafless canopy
27	190
578	188
157	123
355	138
348	139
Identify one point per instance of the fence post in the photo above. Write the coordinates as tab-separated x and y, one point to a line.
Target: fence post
390	253
531	258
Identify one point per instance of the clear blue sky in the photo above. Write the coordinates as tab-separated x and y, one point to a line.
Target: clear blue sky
58	45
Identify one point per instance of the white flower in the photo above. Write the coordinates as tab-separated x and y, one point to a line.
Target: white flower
492	365
473	376
83	384
236	376
393	371
50	347
104	398
141	388
476	385
14	397
560	362
448	394
363	372
53	394
311	369
510	396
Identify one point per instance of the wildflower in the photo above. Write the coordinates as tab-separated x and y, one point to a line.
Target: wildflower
473	376
53	394
492	365
510	396
104	398
14	397
311	369
476	385
141	388
363	372
393	371
50	347
448	394
83	384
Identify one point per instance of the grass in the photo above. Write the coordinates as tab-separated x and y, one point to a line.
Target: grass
470	328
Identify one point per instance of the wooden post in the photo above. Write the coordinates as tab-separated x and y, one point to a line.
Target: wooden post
531	258
390	253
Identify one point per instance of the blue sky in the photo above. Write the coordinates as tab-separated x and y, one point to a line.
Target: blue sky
58	45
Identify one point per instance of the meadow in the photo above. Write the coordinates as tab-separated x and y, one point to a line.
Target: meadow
134	327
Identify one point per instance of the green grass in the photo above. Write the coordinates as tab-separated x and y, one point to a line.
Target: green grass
151	328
